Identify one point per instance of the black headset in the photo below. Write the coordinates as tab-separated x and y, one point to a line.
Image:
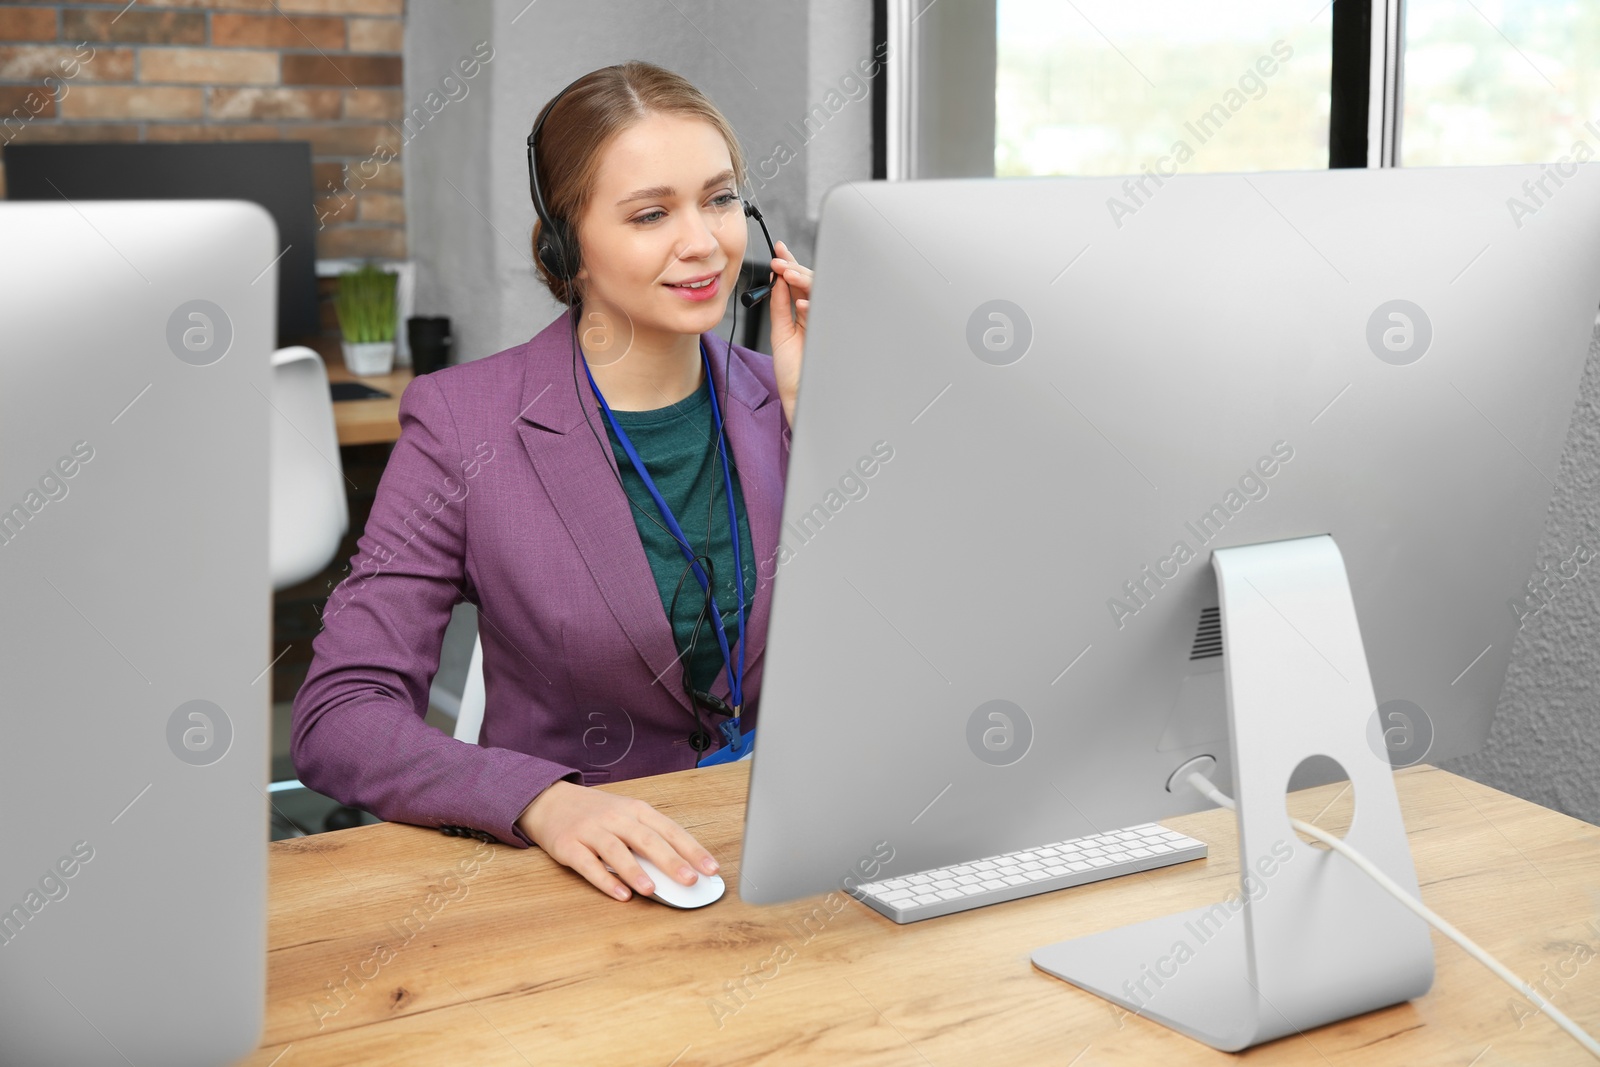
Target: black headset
559	252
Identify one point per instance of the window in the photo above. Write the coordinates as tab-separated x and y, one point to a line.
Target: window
1499	81
1113	87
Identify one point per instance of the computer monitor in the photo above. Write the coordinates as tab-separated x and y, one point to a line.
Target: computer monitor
274	174
1033	409
134	418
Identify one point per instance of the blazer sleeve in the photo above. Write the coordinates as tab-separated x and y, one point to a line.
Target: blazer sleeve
358	733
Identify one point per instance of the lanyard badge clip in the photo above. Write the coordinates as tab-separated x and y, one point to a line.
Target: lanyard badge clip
739	745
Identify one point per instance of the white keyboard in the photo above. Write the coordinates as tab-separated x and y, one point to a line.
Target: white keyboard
909	897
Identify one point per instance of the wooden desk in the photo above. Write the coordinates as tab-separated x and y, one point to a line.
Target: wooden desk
522	962
364	422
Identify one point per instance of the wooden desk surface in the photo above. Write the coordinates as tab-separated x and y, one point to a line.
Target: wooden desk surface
364	422
378	956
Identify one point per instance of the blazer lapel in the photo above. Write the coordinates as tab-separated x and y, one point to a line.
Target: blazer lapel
577	477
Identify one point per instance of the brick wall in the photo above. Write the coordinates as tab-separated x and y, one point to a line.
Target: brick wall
323	71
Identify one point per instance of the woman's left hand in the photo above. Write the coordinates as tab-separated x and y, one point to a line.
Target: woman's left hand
791	290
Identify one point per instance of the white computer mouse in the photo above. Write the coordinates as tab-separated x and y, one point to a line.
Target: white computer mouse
707	888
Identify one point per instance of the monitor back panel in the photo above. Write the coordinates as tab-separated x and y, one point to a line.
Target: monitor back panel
1032	407
134	380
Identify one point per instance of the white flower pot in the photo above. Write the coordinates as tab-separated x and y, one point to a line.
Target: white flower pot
369	358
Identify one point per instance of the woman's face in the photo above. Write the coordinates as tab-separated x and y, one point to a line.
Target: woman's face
665	210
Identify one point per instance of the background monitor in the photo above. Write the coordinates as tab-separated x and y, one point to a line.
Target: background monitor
274	174
1031	409
135	641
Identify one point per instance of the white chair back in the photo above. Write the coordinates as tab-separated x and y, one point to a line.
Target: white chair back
308	514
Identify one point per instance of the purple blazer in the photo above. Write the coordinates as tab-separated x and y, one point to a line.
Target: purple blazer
497	493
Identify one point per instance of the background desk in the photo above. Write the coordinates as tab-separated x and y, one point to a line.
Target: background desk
364	422
522	962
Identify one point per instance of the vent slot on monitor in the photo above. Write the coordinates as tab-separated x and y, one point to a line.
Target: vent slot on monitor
1207	635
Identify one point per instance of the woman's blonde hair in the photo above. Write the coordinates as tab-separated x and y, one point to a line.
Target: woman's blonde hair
594	109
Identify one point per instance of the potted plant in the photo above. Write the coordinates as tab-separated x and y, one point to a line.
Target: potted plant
366	307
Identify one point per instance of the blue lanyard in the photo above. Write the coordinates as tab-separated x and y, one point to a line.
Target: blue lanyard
737	746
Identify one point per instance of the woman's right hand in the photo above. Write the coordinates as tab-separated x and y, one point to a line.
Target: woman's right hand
585	829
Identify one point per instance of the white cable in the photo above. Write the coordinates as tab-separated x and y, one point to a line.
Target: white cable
1206	788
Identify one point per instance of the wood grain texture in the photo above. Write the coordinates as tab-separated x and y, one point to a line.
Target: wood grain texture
398	945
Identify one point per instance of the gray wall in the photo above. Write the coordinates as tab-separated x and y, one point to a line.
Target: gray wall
1544	745
448	221
769	68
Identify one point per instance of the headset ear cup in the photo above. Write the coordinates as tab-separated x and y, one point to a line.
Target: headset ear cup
557	252
549	256
569	251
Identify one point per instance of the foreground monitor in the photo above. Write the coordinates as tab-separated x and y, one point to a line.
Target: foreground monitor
134	385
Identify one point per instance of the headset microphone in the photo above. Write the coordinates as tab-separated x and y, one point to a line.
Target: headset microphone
750	297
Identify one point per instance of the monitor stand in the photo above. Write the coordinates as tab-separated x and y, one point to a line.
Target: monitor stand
1308	939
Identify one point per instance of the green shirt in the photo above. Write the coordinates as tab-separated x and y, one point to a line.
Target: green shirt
678	445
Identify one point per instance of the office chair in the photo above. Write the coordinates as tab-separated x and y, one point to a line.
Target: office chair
308	512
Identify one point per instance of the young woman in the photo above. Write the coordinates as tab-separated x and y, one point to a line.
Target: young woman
577	488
